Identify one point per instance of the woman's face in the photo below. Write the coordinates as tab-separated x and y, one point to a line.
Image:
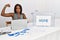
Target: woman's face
18	9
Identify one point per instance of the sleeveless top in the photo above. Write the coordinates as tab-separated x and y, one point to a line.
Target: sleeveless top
16	16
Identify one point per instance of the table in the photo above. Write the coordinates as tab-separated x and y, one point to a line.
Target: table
35	33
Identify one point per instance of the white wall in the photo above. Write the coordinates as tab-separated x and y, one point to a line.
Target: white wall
30	6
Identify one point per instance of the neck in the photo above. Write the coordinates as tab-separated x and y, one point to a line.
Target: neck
18	13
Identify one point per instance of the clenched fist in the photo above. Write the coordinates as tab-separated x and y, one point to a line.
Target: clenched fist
7	5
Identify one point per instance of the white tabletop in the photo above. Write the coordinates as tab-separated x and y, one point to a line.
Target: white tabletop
32	34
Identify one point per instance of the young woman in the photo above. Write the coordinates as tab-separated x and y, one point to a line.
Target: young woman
17	12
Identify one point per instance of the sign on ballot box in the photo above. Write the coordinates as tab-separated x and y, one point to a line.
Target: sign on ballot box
43	20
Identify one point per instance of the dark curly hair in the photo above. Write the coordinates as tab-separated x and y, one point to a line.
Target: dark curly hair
20	8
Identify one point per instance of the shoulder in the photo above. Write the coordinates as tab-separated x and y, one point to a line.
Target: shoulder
23	14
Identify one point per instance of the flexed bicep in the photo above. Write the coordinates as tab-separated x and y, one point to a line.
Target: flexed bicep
6	14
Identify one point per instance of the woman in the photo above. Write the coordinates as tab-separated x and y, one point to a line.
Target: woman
17	12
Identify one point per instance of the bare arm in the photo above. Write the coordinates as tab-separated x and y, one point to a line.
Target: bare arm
6	14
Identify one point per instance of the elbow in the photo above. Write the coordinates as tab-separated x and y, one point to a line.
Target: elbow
2	14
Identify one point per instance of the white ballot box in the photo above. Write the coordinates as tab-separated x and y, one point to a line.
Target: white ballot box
44	19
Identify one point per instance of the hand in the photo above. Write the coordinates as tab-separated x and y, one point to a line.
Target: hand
7	5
